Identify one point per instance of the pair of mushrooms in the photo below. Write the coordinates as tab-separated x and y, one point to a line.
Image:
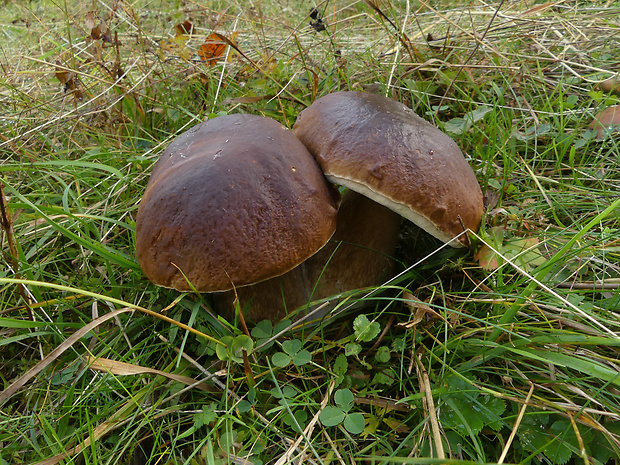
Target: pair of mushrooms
240	200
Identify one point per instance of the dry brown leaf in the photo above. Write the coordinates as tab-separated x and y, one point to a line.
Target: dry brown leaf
236	100
606	122
539	8
213	49
71	82
612	84
421	311
184	28
63	74
383	403
101	31
124	369
89	20
487	258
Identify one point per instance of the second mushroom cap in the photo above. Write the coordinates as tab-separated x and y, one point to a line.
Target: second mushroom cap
380	148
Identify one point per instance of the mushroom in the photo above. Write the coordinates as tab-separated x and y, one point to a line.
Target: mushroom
611	84
339	266
239	202
233	201
381	149
395	164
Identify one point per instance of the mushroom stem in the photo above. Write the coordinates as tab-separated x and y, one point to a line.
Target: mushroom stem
361	249
359	255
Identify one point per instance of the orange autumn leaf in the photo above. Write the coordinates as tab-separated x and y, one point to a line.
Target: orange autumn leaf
213	49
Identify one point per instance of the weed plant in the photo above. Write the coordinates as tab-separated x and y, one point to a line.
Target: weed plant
508	354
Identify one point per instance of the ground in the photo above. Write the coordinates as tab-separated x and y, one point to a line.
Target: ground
504	353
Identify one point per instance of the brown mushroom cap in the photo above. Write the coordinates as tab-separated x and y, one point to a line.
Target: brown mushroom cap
233	201
380	148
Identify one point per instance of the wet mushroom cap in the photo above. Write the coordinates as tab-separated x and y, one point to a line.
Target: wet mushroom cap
380	148
233	201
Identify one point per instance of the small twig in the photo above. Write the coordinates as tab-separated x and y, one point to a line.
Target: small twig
464	230
601	285
387	327
7	224
384	404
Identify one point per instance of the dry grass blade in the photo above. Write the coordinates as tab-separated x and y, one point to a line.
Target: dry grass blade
429	403
286	457
57	352
95	295
124	369
515	427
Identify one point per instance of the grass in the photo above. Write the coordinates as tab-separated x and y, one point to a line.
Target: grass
508	354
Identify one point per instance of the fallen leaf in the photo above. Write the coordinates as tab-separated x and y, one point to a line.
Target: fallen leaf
184	28
524	252
606	122
539	8
90	20
420	310
63	74
70	80
238	100
175	45
612	84
317	21
213	49
486	256
97	30
491	198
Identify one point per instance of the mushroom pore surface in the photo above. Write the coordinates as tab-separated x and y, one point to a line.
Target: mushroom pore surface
232	201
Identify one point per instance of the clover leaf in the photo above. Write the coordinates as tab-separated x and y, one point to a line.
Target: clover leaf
333	415
292	352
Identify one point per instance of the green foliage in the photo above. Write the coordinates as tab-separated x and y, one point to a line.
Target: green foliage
235	346
467	410
200	419
292	353
365	330
264	332
333	415
293	417
535	302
